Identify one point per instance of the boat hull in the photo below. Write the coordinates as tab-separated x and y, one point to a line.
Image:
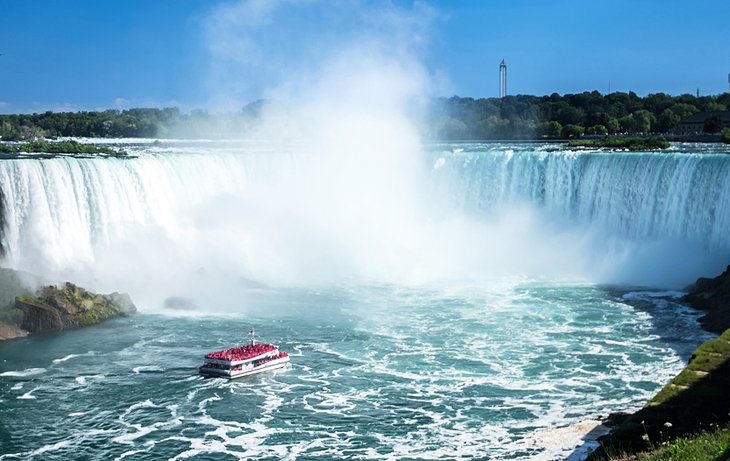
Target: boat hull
233	374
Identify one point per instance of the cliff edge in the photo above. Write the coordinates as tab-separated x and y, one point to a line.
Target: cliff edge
712	295
52	308
60	308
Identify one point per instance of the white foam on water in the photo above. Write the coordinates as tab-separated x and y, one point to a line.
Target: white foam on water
635	295
129	453
47	449
68	357
24	373
129	438
147	369
572	443
28	395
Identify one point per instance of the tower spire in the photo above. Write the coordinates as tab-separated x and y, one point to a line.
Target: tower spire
502	79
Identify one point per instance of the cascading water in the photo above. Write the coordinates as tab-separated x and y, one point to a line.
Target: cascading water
649	218
639	196
437	305
285	215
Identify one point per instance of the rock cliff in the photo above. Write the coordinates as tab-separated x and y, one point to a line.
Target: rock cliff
713	296
59	308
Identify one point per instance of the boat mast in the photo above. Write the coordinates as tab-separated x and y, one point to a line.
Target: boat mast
251	334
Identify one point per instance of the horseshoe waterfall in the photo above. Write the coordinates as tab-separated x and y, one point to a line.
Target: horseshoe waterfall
486	299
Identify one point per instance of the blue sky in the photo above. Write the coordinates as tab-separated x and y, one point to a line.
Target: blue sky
87	55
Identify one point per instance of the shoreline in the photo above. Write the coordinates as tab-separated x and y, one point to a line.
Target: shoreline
696	398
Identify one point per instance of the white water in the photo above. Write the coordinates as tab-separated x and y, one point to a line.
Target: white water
194	219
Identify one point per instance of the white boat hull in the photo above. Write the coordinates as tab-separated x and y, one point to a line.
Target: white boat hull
233	374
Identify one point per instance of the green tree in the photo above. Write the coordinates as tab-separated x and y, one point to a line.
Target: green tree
550	130
570	116
612	125
683	110
597	130
572	131
667	121
713	124
644	120
628	124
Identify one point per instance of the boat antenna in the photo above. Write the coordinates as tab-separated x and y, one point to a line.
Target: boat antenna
251	334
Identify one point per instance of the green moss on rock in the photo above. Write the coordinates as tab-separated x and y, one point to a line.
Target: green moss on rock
633	143
57	308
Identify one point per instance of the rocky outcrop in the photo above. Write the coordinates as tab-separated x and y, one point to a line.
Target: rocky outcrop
55	309
713	296
11	331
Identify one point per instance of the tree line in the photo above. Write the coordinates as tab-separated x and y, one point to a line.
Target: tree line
130	123
567	116
456	118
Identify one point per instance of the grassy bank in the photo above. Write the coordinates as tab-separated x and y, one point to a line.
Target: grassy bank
705	446
696	399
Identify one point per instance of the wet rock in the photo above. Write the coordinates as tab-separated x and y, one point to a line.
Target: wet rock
712	295
59	308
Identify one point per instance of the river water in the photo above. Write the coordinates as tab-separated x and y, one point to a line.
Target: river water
510	290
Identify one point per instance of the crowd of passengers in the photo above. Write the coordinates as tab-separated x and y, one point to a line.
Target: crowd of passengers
241	352
239	367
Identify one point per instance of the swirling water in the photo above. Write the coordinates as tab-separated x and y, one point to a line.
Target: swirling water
413	334
377	372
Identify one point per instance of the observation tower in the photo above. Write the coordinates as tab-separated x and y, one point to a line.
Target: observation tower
502	79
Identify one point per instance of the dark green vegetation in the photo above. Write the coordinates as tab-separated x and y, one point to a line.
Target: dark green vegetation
59	147
513	117
109	123
632	143
52	308
566	116
696	399
131	123
704	446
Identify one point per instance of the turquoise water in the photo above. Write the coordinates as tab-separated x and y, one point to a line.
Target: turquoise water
455	301
377	372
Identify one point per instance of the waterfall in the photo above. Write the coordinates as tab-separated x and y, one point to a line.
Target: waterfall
637	195
285	215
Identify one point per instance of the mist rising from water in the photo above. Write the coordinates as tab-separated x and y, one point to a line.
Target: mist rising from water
343	192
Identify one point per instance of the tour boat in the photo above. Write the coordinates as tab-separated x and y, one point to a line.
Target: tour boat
245	360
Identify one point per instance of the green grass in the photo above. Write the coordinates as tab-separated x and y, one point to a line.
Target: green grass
705	446
633	144
696	399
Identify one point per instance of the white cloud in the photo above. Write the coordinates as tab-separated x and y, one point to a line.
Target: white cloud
258	46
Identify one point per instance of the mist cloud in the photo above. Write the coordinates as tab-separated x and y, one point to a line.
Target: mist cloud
257	47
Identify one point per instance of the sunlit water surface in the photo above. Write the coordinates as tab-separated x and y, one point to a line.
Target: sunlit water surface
377	372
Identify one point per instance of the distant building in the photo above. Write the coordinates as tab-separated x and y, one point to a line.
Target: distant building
696	123
502	79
